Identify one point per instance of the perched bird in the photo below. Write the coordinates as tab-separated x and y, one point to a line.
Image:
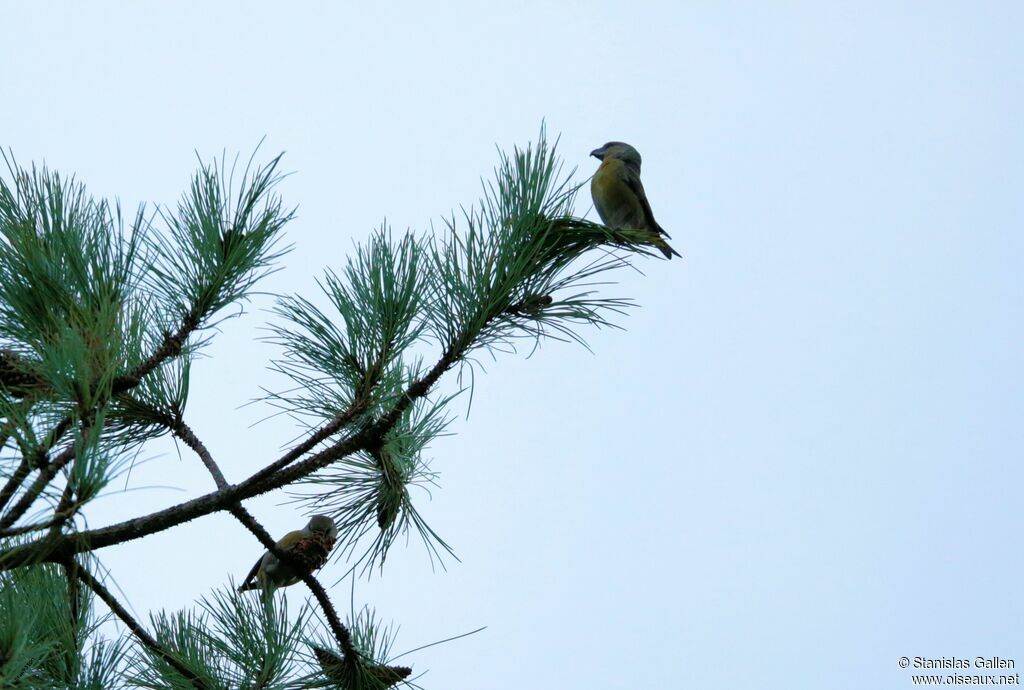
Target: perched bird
619	196
309	547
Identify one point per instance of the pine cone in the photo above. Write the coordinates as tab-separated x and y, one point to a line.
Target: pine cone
313	551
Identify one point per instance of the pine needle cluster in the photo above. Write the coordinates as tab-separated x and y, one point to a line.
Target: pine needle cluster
101	317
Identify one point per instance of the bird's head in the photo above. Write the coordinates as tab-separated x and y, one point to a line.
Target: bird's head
323	524
618	150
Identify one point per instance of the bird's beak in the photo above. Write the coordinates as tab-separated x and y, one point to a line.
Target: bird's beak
598	153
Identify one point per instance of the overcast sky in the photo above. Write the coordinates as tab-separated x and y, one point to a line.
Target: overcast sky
801	459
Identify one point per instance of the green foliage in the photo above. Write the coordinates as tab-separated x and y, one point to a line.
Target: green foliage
520	246
353	355
139	416
88	303
515	270
43	644
369	670
220	242
68	273
100	320
233	641
367	493
92	467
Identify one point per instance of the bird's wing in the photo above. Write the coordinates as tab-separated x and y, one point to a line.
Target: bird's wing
284	543
632	179
252	574
289	540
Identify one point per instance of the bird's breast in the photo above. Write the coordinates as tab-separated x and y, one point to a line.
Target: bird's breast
615	201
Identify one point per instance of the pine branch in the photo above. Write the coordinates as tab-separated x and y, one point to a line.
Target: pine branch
140	632
239	266
323	433
259	483
172	346
39	459
481	278
14	482
37	527
502	279
341	633
63	511
43	479
184	432
71	570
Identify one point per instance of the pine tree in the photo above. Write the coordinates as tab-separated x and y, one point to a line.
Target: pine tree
100	319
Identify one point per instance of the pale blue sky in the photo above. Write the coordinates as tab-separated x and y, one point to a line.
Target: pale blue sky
802	458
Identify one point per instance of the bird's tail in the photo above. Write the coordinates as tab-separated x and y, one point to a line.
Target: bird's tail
659	242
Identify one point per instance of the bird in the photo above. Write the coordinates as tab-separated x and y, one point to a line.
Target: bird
619	195
309	547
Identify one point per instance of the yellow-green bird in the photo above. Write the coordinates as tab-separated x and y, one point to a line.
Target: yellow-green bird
619	195
308	547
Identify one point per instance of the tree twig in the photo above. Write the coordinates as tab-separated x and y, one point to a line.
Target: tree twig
63	510
223	498
39	460
71	569
14	482
148	640
45	476
341	633
184	432
171	346
321	434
